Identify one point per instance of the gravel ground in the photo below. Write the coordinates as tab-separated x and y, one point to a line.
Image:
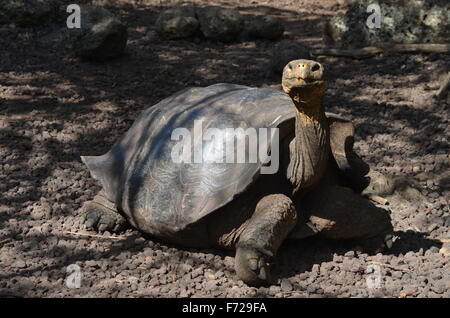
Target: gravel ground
55	108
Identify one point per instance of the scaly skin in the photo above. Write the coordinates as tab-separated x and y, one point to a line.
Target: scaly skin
309	151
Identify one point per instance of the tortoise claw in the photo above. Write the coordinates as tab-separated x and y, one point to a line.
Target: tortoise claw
252	266
388	241
90	219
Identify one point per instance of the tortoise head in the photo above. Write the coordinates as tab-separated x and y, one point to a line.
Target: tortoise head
303	81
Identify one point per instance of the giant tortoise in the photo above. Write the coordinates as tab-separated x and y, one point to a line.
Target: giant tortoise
218	202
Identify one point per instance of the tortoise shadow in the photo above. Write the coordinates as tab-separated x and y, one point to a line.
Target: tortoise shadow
296	257
299	256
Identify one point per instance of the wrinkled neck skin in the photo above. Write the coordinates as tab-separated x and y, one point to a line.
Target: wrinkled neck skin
310	148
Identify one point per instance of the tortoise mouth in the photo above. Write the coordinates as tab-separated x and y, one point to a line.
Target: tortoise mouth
299	85
302	82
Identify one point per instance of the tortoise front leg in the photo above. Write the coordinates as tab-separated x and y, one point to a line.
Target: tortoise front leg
274	217
337	212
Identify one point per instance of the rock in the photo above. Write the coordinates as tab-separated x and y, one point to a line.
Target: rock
416	169
101	37
197	272
286	286
433	249
350	254
184	268
420	221
440	287
273	290
445	250
403	21
229	261
46	228
397	274
447	221
37	213
211	285
177	23
220	274
407	292
311	289
210	276
262	27
286	51
432	227
337	258
25	13
92	263
19	264
219	23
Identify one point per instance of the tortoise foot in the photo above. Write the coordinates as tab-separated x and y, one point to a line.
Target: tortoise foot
100	218
252	266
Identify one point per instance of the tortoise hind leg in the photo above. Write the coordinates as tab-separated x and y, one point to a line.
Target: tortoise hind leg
270	224
101	214
337	212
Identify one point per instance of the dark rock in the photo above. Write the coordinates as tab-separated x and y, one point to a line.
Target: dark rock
420	221
184	269
286	285
273	290
220	274
221	24
211	285
350	254
102	36
440	287
19	264
262	27
445	249
447	221
177	23
337	258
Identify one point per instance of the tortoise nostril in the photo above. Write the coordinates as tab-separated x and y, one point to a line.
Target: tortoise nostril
315	67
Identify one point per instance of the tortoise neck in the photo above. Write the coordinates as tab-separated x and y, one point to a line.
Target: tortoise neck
311	146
